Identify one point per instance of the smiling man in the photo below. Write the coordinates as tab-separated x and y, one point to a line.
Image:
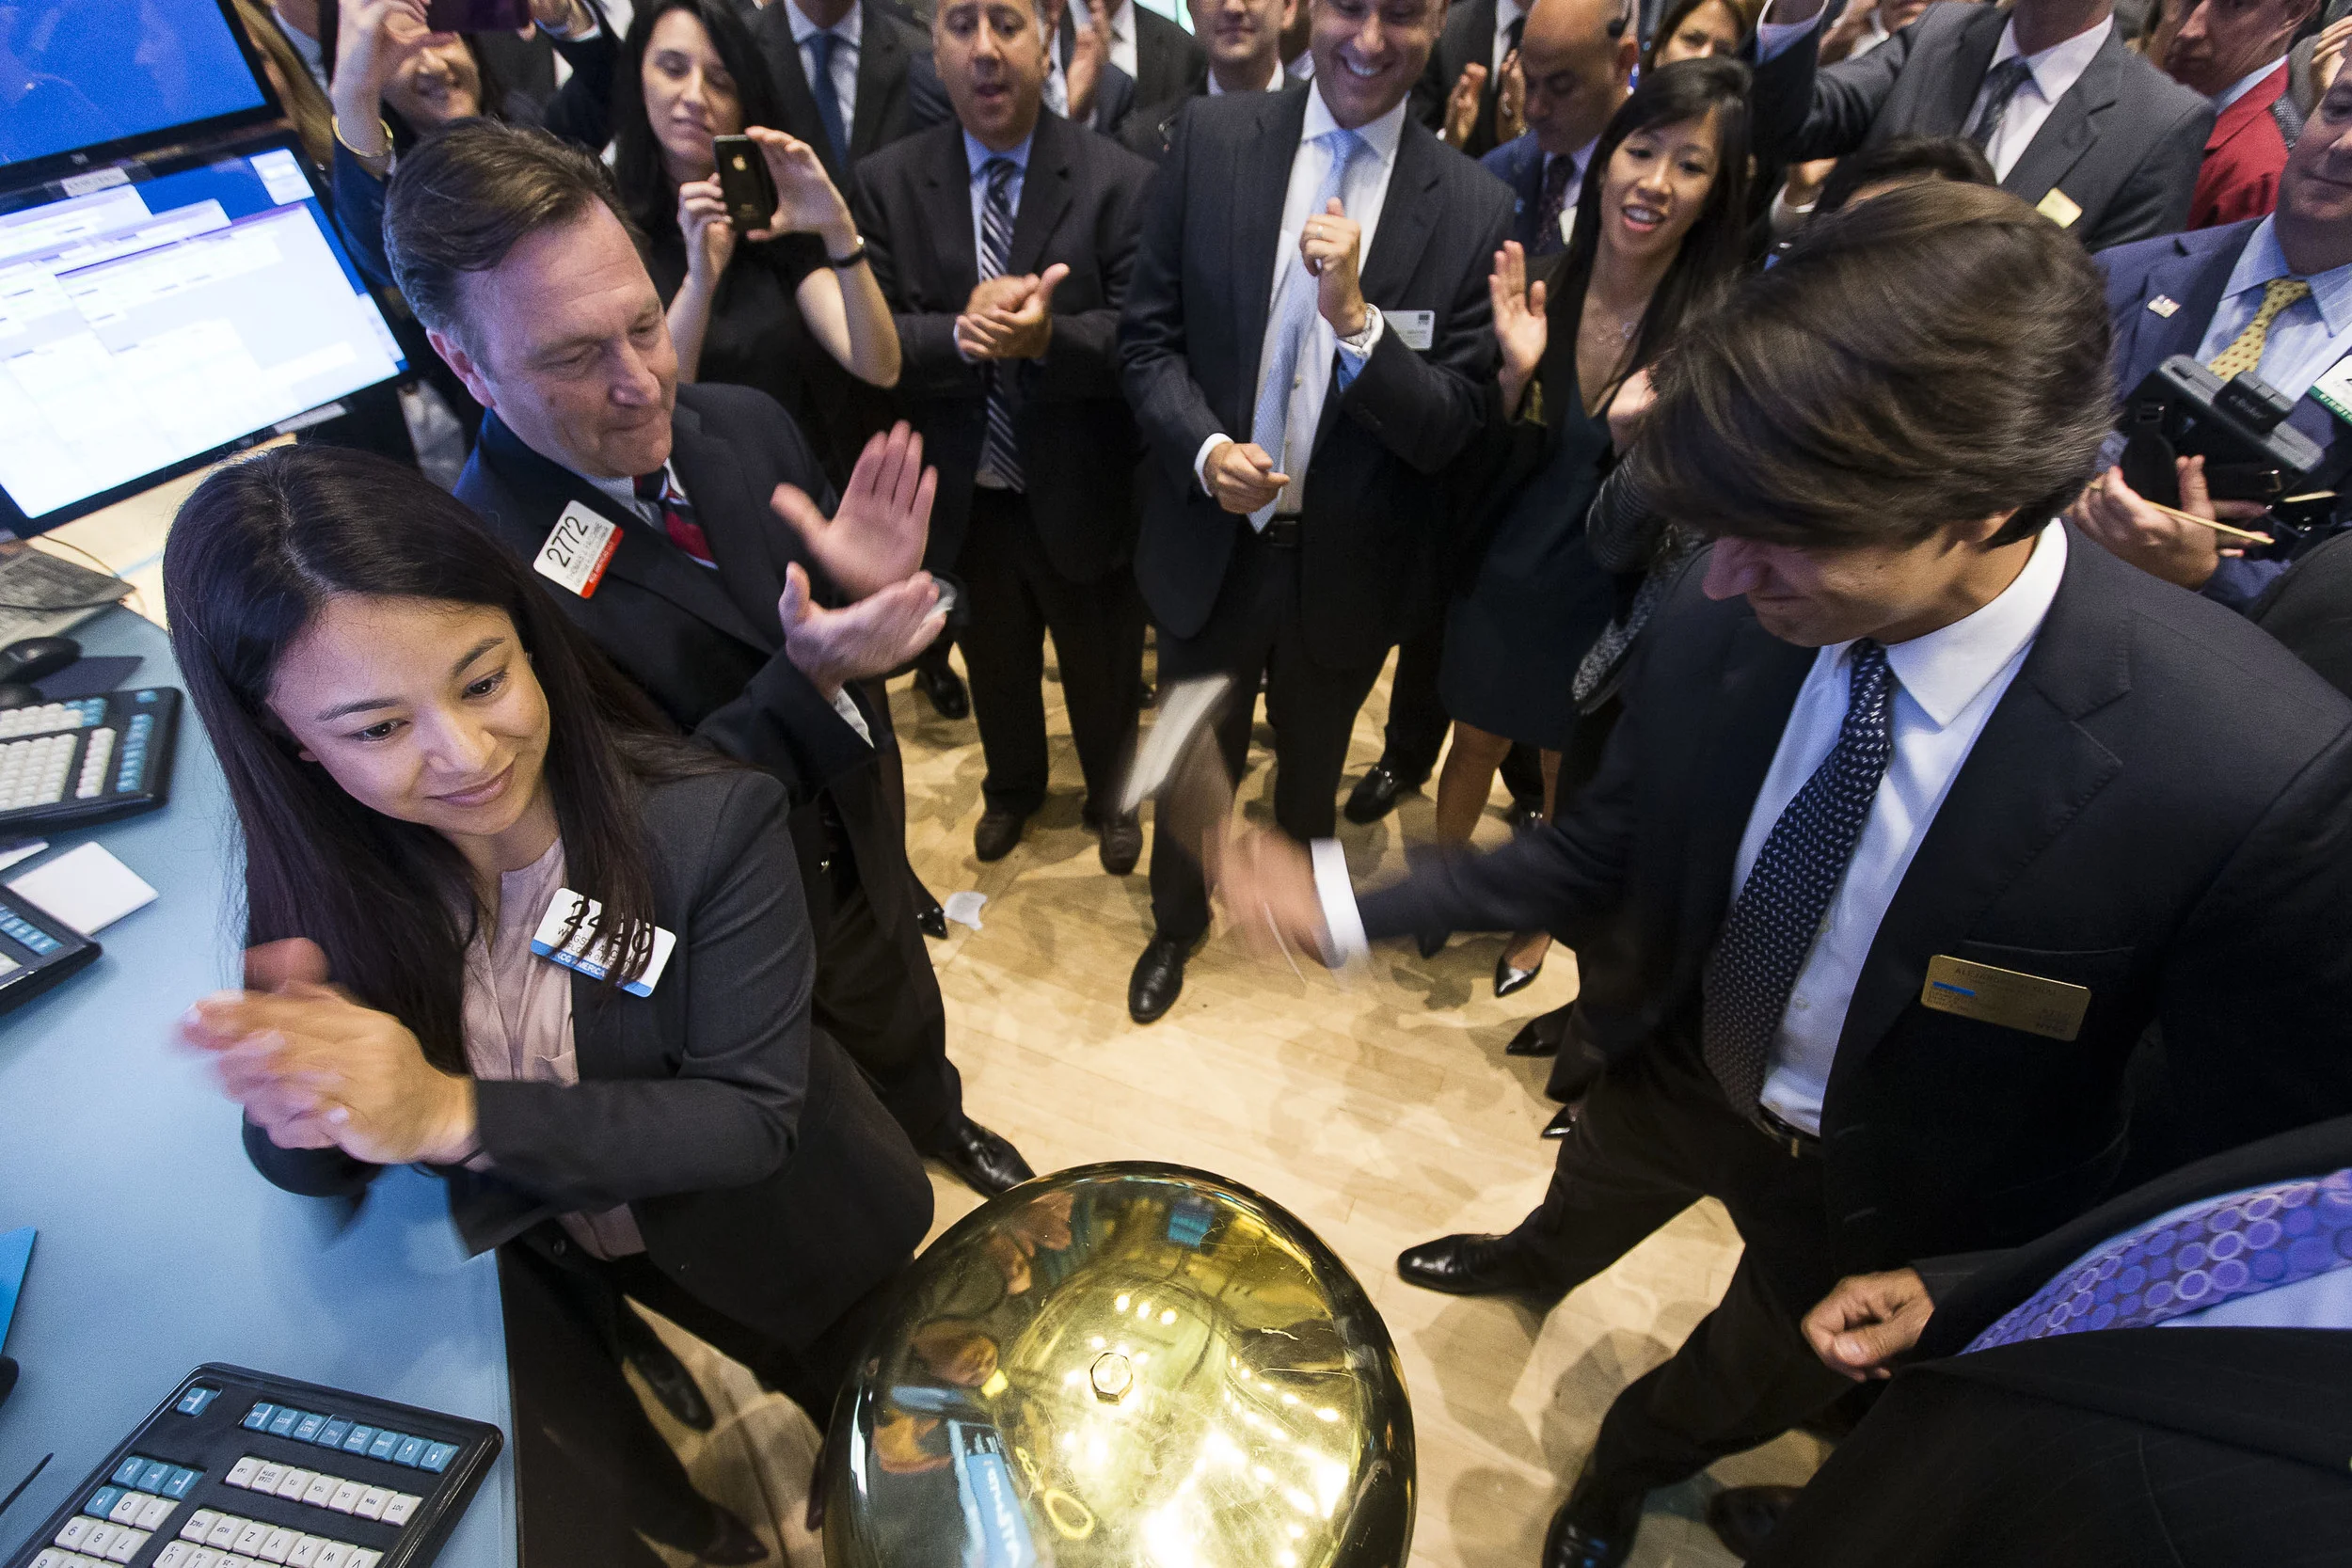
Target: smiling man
1923	809
1307	345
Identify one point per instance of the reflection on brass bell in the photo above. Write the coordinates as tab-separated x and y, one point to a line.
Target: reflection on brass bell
1124	1366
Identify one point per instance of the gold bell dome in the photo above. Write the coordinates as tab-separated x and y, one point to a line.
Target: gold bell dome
1132	1364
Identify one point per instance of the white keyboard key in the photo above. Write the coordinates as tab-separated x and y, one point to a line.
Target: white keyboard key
250	1539
305	1553
224	1531
96	1539
280	1541
346	1496
154	1512
126	1545
175	1556
295	1483
240	1563
267	1477
204	1557
52	1557
241	1473
332	1555
321	1488
372	1503
76	1531
402	1505
126	1508
362	1558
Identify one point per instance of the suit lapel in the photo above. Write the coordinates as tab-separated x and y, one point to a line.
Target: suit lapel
1761	676
1262	178
2193	281
2001	810
2074	123
881	68
733	520
948	177
1961	75
1044	196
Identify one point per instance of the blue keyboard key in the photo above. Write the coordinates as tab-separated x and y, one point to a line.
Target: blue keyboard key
195	1399
436	1456
283	1423
258	1417
101	1502
331	1435
410	1451
152	1477
180	1480
359	1439
383	1445
127	1472
306	1429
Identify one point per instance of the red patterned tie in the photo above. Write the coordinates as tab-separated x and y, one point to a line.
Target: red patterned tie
677	515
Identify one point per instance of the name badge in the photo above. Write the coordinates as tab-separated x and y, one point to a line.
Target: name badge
1415	329
2058	208
2051	1008
578	549
2334	390
587	952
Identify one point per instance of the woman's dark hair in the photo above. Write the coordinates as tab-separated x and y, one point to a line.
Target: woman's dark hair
1903	161
1671	22
1715	244
647	190
252	556
1932	355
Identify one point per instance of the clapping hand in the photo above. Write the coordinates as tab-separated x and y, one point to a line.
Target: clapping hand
1461	104
1511	101
1332	245
1015	323
1520	326
872	637
1266	882
876	537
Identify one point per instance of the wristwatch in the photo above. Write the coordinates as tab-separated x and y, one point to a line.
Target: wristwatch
1361	342
852	258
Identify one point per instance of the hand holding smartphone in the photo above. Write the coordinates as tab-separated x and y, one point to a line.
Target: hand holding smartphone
749	189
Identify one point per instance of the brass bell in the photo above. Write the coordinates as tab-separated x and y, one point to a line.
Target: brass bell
1130	1366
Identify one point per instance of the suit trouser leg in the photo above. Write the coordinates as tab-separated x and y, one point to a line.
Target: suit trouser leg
1098	646
877	994
1417	723
1003	640
1319	705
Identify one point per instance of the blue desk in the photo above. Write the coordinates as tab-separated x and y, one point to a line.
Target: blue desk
159	1247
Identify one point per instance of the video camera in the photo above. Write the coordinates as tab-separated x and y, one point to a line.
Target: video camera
2238	426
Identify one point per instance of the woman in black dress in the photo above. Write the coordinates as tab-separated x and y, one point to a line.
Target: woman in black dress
1658	231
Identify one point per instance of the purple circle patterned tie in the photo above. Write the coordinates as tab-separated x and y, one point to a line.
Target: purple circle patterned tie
2236	1245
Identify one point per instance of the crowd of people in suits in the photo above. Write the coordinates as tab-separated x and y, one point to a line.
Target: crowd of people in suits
1708	414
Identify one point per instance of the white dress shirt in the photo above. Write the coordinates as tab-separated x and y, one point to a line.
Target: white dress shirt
1506	12
2247	84
851	30
1948	684
1122	19
1304	67
2306	339
1364	194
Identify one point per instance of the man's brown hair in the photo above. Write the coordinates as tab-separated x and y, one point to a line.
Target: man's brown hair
1932	355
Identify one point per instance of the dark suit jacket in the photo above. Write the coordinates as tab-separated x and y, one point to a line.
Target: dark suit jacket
2125	1447
1469	39
2124	144
2191	270
1189	346
2309	609
889	103
1078	446
762	1172
1168	59
1519	164
2159	810
706	645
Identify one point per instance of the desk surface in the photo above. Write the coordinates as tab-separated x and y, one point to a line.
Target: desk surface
159	1247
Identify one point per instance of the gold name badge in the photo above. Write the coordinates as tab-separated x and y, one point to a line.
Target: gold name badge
2058	208
2051	1008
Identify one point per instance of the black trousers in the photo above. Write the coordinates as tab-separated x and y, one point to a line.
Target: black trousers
877	994
1417	717
1018	596
1656	1137
1255	628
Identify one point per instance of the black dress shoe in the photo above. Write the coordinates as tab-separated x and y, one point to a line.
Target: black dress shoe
997	832
1465	1265
664	1373
734	1543
1743	1516
1374	795
1122	844
1592	1530
1540	1036
1158	979
932	920
1429	945
944	688
1509	977
1563	1120
982	1161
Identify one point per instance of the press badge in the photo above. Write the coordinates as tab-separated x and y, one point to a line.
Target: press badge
584	954
2058	208
1415	329
578	549
2051	1008
2334	390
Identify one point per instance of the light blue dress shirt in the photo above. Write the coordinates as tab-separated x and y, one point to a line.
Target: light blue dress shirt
2306	339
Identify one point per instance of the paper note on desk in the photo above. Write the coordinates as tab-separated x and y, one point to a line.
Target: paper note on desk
86	888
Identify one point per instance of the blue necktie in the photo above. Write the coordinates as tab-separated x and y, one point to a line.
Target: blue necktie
2001	84
1773	923
2236	1245
820	48
1295	317
998	454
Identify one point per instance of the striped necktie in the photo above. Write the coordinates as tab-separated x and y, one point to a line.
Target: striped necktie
1294	314
679	522
2245	352
2000	85
999	454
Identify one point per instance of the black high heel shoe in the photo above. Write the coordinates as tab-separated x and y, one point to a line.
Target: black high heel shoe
1509	978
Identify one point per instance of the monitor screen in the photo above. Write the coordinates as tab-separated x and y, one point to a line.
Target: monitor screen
146	326
74	74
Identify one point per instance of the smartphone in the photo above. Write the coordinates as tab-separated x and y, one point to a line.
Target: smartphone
744	182
477	16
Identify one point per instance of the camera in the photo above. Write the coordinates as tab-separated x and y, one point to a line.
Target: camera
2238	426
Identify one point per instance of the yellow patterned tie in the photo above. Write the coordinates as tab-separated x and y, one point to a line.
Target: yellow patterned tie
2245	349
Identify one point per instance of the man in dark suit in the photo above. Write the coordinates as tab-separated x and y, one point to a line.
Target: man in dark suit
1244	40
1479	37
2309	609
2008	1439
1909	832
1008	326
1296	495
2100	141
649	503
865	56
2207	294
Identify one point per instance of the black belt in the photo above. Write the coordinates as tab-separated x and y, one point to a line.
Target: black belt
1280	531
1791	1138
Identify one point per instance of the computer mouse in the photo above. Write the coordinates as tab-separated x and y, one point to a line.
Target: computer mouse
17	694
37	657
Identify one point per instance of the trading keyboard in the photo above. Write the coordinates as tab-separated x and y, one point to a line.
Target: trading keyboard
89	760
239	1469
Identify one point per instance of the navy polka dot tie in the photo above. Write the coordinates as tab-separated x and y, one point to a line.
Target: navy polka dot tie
1778	913
2234	1246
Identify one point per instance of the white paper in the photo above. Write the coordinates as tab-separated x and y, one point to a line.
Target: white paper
25	851
86	888
965	907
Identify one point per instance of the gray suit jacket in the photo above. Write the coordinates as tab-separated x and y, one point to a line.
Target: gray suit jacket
2122	144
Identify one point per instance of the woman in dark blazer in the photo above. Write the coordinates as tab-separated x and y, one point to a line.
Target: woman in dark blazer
429	766
1659	228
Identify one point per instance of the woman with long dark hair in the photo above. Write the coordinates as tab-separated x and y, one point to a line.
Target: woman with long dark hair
438	781
1659	230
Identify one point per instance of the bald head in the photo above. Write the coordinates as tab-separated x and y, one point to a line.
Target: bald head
1577	70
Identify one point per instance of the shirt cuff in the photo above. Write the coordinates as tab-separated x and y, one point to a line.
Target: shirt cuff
1774	38
846	707
1355	351
1201	461
1342	923
586	33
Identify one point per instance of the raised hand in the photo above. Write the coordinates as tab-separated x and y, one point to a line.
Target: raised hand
1511	101
701	217
1461	104
872	637
1520	326
1861	1326
876	537
808	201
1089	57
372	40
1332	243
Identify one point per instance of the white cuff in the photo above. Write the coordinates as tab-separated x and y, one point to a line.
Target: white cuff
1774	38
1200	462
1356	350
1343	925
844	704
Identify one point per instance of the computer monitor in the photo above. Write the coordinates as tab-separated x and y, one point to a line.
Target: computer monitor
124	75
156	324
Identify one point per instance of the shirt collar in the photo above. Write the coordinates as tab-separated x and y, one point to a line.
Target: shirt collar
1274	79
1579	160
1381	134
1948	668
2247	84
2261	261
850	29
974	155
2061	65
1122	19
